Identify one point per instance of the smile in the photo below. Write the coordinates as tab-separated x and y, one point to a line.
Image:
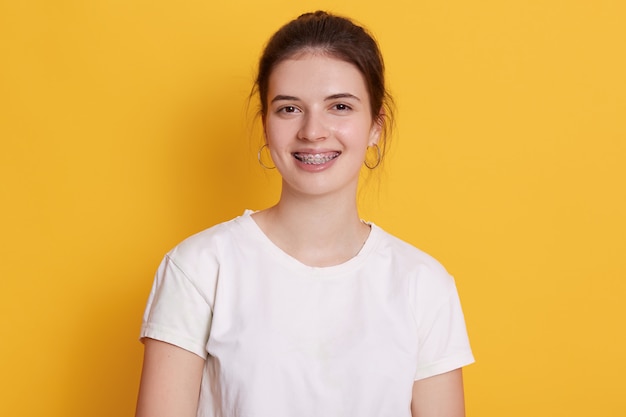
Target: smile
317	158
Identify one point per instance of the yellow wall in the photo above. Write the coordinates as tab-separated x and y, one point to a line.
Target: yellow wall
123	129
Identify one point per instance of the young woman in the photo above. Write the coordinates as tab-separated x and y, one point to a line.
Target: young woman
303	309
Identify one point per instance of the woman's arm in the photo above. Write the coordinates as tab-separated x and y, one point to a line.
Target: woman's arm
439	396
170	381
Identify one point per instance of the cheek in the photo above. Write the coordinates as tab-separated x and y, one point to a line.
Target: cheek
269	129
277	133
355	133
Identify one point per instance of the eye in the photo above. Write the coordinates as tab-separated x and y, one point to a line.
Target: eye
288	109
342	107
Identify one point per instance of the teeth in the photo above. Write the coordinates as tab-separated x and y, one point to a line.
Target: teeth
316	159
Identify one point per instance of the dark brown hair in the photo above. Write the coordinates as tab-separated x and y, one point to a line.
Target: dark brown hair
336	36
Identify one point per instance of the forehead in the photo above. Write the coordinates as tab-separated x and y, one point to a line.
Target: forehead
316	74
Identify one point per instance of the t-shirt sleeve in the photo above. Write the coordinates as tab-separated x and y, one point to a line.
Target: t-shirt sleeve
442	335
178	310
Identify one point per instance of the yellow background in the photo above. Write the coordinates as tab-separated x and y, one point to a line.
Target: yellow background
124	129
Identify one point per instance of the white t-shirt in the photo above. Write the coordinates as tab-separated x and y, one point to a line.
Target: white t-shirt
283	339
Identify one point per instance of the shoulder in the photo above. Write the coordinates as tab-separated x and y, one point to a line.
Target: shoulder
426	275
202	252
209	240
407	254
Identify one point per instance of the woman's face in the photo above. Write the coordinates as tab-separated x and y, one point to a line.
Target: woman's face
318	124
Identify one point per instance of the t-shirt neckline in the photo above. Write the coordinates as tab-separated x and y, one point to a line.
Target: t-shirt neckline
284	258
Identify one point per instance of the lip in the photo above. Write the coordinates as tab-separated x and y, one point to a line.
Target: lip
315	150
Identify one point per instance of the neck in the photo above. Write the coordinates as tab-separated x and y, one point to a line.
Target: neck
316	230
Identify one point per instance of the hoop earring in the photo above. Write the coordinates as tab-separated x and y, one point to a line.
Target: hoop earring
258	156
378	155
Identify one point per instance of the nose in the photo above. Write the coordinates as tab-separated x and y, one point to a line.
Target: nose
313	127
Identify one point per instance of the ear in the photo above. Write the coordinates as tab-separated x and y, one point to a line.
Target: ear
378	124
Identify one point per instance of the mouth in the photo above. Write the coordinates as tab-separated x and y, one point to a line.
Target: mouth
315	158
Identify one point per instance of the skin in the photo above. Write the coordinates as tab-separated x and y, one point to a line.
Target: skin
170	381
316	105
439	396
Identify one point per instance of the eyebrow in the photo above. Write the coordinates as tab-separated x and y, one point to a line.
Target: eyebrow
284	98
281	97
342	95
